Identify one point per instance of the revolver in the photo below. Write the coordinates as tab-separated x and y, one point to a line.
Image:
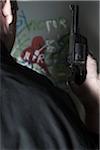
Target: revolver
78	49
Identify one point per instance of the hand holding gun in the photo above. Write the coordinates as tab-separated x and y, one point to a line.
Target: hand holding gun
84	68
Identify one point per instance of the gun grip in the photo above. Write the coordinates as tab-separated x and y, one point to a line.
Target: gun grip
80	74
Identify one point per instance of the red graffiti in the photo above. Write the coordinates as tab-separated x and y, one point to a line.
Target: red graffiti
34	54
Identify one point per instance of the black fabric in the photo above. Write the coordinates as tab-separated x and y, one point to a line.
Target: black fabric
36	115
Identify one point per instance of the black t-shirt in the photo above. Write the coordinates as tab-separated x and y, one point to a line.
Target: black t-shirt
36	115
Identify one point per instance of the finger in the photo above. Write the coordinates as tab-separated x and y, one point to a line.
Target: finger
91	67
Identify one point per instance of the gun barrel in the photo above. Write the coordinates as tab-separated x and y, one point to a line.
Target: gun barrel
75	18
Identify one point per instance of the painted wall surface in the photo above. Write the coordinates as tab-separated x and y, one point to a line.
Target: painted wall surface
43	33
42	38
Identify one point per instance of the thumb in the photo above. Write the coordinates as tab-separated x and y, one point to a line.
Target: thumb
7	12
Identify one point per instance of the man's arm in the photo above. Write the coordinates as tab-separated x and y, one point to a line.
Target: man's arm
89	94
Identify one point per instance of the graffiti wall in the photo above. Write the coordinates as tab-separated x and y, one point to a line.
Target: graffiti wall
42	38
